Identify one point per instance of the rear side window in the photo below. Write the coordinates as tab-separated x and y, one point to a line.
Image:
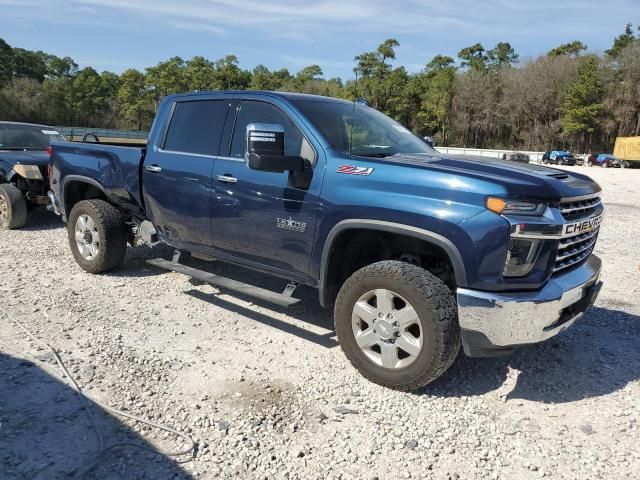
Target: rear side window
196	127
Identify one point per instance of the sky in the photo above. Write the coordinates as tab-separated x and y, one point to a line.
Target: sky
119	34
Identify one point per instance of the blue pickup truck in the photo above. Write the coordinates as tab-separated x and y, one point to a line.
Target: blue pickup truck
419	253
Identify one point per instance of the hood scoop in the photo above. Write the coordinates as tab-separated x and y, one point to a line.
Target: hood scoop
559	176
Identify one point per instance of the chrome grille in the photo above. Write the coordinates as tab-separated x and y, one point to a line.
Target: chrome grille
574	250
577	209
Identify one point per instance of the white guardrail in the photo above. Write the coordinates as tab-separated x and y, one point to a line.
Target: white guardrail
535	157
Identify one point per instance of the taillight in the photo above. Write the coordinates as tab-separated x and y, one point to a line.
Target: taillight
49	150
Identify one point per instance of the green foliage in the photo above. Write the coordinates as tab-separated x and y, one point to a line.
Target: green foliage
621	42
572	49
473	57
563	99
436	92
134	99
581	105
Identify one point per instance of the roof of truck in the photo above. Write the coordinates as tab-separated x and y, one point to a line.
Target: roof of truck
286	95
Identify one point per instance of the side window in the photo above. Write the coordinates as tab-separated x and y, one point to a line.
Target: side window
260	112
196	127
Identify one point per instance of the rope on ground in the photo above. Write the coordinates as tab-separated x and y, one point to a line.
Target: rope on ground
84	397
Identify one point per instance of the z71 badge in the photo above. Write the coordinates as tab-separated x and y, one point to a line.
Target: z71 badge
352	170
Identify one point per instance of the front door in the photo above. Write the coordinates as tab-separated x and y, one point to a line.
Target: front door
177	174
260	216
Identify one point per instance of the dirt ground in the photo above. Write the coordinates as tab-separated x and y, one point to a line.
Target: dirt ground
267	393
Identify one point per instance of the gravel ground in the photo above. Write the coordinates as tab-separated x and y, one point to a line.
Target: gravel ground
267	393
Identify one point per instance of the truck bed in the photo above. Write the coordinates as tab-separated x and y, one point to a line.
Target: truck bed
117	169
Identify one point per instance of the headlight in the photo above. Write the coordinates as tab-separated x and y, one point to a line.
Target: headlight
504	206
521	257
30	172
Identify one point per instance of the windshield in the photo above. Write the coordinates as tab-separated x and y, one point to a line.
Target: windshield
373	134
26	137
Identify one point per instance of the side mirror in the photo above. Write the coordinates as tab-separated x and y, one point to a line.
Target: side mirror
265	149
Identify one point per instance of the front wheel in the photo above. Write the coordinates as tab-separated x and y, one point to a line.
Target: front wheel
397	324
97	236
13	207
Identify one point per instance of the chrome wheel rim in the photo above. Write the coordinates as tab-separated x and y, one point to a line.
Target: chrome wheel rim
387	329
4	210
87	238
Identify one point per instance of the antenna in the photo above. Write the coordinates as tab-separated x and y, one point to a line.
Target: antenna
353	112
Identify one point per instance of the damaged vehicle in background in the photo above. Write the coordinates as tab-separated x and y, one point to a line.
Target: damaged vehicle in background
24	160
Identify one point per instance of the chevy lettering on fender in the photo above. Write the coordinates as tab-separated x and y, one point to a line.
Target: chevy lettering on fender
582	226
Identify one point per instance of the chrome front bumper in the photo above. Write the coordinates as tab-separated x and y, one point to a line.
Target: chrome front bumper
501	321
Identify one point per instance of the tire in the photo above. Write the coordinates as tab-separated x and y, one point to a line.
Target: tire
436	323
105	232
589	164
605	165
13	207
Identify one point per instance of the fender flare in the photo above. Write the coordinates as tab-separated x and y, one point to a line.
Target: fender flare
77	178
447	245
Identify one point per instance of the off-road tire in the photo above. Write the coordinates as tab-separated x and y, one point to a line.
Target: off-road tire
112	234
437	312
16	207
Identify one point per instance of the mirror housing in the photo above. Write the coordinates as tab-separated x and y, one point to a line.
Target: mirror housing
265	149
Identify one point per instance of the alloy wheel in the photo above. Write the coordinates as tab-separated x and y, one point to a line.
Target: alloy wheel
87	237
387	329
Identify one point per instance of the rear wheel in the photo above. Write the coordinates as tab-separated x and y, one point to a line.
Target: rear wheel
13	207
397	324
97	236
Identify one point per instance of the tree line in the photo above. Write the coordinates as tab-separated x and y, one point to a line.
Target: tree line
487	98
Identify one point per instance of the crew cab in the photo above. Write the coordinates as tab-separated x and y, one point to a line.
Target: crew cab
418	252
24	158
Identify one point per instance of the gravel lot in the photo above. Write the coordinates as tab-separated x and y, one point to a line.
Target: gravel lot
267	392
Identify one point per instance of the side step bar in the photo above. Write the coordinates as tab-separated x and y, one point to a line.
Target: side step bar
283	299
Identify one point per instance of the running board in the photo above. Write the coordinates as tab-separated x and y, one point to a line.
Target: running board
283	299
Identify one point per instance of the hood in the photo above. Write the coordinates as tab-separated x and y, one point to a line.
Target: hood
520	180
39	157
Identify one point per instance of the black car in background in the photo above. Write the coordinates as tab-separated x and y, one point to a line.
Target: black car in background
559	157
24	160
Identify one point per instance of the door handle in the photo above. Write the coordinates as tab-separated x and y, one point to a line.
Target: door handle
226	178
153	168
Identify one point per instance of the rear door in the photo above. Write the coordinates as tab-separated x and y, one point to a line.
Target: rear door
177	172
261	217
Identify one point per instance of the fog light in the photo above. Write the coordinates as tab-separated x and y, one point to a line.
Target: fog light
521	257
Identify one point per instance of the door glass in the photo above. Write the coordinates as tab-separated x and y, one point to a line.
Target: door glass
295	144
196	127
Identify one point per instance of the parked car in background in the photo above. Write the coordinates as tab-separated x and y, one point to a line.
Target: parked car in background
559	157
24	157
606	160
516	157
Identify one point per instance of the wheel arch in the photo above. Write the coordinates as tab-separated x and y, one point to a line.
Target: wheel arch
76	188
427	236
